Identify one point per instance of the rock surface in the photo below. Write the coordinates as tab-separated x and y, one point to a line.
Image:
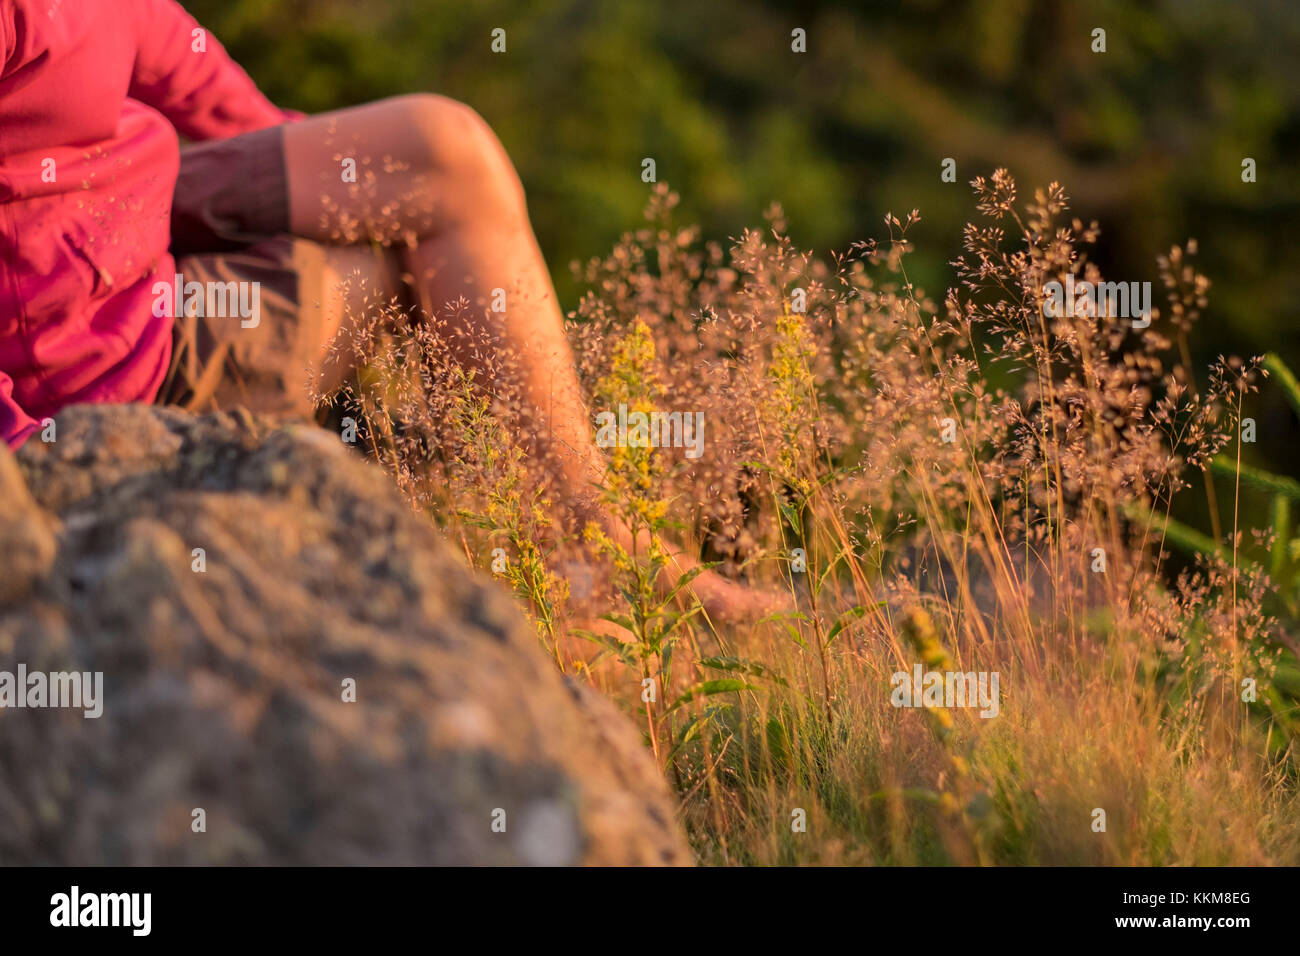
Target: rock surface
223	688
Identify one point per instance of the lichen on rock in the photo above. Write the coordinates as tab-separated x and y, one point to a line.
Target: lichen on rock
227	575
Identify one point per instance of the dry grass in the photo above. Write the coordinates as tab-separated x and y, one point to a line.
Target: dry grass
825	427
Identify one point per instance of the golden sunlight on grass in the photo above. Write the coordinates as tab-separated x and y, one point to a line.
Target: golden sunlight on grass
969	486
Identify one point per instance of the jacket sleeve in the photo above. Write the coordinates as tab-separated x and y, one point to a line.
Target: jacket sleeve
184	73
16	426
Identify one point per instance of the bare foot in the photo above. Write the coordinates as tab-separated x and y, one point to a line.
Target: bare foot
725	601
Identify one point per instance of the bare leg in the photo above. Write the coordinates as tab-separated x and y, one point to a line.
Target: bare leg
431	178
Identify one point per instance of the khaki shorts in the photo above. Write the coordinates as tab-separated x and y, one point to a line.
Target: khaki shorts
230	222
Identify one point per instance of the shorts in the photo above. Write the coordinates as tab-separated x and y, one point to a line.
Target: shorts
230	223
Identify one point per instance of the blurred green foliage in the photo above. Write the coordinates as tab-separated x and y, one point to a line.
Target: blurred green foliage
1148	137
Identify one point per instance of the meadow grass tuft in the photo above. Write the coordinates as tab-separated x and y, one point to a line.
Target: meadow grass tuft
965	482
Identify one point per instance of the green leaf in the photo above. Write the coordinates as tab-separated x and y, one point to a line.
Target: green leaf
708	688
625	652
1285	379
1256	477
622	620
778	743
1181	536
690	576
852	614
785	619
743	666
834	562
783	616
791	515
694	726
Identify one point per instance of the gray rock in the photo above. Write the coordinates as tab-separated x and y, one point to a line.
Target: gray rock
223	687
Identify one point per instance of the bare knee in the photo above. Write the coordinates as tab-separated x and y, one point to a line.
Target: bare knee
453	143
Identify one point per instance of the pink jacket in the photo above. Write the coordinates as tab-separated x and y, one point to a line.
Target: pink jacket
92	93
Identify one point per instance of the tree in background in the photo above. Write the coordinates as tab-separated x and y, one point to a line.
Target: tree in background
1148	137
